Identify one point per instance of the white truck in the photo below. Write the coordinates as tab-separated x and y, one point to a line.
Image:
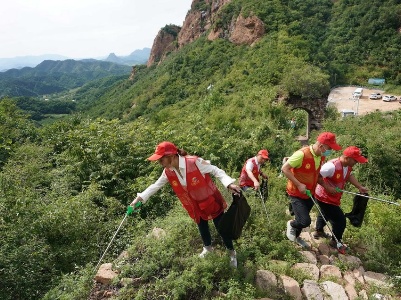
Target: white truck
357	93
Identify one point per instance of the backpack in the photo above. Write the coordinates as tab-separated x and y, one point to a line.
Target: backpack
233	220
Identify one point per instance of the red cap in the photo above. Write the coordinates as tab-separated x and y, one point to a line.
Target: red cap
355	153
164	148
264	154
329	139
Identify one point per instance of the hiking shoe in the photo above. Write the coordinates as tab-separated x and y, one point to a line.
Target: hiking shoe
206	250
341	247
233	258
291	233
321	234
302	243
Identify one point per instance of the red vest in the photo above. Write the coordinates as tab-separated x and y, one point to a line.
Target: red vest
306	173
244	179
337	180
200	198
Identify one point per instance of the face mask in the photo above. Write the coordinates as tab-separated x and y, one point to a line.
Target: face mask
327	152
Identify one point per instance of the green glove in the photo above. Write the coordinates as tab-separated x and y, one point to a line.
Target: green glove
131	209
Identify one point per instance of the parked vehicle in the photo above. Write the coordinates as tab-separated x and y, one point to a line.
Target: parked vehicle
357	93
375	96
389	98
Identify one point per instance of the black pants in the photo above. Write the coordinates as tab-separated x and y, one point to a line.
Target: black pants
301	209
333	214
205	233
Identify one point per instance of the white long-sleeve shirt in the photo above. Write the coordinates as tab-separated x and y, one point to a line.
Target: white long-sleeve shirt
204	167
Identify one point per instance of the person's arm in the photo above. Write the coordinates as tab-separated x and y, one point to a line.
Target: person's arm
327	171
151	190
292	162
206	167
352	179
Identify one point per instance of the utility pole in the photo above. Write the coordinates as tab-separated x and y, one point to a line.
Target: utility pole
357	106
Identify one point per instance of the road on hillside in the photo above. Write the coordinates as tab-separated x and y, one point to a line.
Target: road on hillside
341	98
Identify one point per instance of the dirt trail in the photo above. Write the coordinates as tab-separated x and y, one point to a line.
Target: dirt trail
342	99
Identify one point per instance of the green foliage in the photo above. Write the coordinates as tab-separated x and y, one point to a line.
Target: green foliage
82	173
37	109
305	81
64	187
15	129
26	263
201	5
171	29
237	291
56	76
72	286
359	32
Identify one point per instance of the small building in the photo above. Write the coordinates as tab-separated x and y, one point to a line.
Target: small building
377	81
347	112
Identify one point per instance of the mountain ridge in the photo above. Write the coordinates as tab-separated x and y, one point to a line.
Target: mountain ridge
55	76
138	56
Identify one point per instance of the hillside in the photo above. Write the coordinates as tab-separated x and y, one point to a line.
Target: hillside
65	186
55	76
297	37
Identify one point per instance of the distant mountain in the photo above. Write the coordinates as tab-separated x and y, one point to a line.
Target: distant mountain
55	76
135	58
26	61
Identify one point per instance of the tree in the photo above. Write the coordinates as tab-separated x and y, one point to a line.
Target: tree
305	81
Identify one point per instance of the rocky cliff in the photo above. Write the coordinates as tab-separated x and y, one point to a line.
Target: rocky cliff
164	43
201	20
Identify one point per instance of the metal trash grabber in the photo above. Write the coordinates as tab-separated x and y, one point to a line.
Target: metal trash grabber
362	195
263	204
340	246
130	210
264	189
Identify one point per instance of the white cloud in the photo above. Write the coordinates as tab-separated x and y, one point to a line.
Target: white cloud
84	28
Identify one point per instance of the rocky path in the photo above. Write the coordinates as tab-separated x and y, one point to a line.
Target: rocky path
330	275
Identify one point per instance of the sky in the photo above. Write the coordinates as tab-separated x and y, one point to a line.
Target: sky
84	28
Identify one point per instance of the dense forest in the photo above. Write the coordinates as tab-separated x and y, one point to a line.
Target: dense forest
65	184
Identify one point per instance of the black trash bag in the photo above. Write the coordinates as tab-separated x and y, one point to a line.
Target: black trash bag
234	219
264	190
358	210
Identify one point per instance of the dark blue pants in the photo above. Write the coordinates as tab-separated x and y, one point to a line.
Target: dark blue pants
205	233
301	209
333	214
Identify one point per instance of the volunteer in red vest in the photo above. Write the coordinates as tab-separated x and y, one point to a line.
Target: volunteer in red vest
189	176
335	174
250	172
302	170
